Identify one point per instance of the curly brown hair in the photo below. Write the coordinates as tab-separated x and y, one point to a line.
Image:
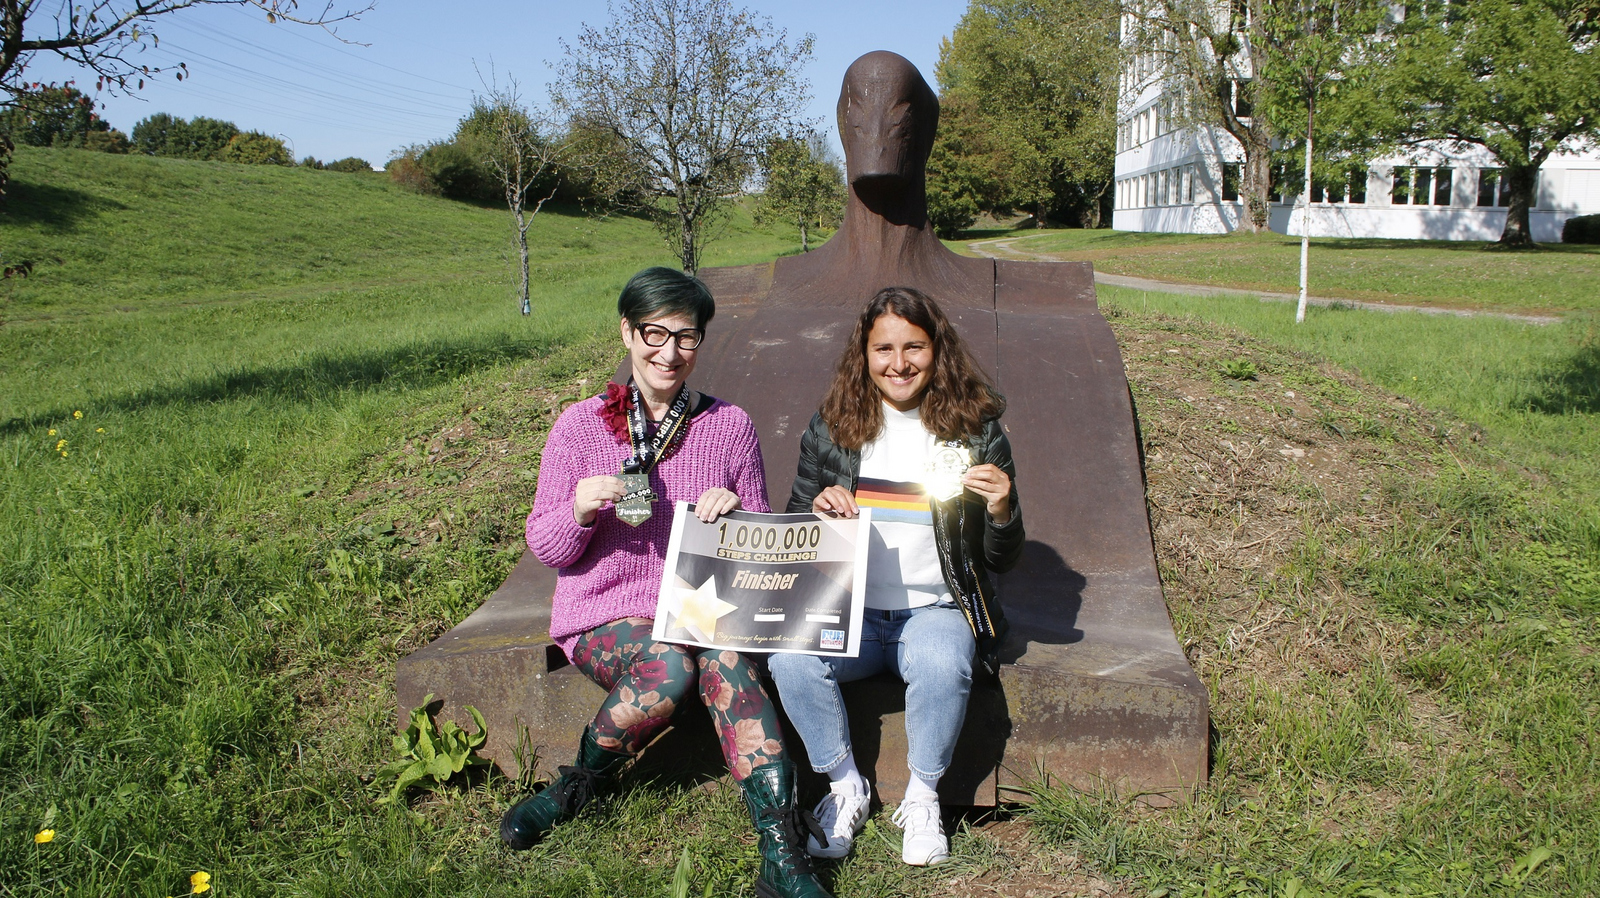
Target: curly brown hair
957	400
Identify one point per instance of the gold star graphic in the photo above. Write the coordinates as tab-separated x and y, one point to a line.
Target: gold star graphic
698	610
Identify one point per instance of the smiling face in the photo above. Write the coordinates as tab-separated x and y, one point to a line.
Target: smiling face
899	360
659	370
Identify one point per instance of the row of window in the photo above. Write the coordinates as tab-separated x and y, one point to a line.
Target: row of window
1157	119
1410	185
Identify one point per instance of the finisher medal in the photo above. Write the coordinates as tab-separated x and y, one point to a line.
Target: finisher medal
634	508
949	462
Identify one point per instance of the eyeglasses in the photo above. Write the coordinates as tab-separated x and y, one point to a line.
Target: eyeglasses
656	335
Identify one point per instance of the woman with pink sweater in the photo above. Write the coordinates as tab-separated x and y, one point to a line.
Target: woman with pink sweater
612	469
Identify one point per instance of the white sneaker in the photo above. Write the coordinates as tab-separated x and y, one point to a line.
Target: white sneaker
924	843
842	814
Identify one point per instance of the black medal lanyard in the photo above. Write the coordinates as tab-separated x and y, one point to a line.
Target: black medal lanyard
634	507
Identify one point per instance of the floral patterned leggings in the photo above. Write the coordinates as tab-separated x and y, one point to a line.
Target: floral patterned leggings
648	680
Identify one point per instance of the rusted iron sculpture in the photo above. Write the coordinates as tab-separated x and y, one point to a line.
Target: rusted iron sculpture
1095	689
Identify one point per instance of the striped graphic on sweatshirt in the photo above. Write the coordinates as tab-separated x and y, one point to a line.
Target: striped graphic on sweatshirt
894	502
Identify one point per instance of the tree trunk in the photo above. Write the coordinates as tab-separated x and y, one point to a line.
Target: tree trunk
1256	183
805	244
5	168
1520	182
522	249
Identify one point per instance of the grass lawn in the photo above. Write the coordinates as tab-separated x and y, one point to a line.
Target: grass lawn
264	431
1552	278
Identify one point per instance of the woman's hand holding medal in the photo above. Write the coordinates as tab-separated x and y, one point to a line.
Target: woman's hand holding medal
994	486
592	494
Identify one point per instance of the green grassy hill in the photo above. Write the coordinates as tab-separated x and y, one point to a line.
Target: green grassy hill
264	431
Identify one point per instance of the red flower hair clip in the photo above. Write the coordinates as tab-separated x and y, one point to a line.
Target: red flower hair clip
614	411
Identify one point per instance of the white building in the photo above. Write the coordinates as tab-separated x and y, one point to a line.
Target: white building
1185	180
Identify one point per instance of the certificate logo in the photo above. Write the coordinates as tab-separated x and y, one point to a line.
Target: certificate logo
833	640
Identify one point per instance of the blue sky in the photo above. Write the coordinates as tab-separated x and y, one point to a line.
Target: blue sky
420	65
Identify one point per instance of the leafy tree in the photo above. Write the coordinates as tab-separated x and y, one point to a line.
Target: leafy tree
255	148
203	138
1207	55
152	134
804	186
506	137
51	116
1519	78
1310	46
970	167
106	36
349	165
691	91
1039	79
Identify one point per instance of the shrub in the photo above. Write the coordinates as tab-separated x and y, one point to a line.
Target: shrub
1581	229
458	173
313	163
950	213
112	141
255	148
405	170
350	164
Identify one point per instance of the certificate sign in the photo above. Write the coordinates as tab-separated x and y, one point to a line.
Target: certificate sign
765	582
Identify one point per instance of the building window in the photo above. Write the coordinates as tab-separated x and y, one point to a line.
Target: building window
1443	180
1422	186
1189	180
1358	185
1241	99
1149	190
1493	188
1230	181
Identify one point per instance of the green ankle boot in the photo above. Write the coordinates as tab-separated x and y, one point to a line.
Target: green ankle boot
785	866
531	819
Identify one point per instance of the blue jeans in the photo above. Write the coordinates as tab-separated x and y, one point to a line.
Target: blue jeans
929	648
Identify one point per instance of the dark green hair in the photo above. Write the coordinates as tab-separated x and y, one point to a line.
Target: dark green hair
658	291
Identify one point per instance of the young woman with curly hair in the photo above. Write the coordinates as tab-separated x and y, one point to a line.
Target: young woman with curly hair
910	428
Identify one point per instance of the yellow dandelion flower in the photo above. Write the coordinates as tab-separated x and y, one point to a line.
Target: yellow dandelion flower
60	444
52	431
99	430
77	415
43	836
200	882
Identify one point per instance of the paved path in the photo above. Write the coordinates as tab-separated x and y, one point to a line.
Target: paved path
1005	248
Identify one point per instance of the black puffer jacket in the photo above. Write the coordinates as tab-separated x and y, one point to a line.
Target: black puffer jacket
970	543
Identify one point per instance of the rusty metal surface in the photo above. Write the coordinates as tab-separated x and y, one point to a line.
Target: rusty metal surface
1095	688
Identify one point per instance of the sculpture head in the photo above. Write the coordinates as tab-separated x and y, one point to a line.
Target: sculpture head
887	118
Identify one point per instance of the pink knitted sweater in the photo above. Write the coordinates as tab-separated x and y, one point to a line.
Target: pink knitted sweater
609	570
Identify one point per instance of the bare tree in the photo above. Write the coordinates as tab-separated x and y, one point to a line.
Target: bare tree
515	143
690	92
103	35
